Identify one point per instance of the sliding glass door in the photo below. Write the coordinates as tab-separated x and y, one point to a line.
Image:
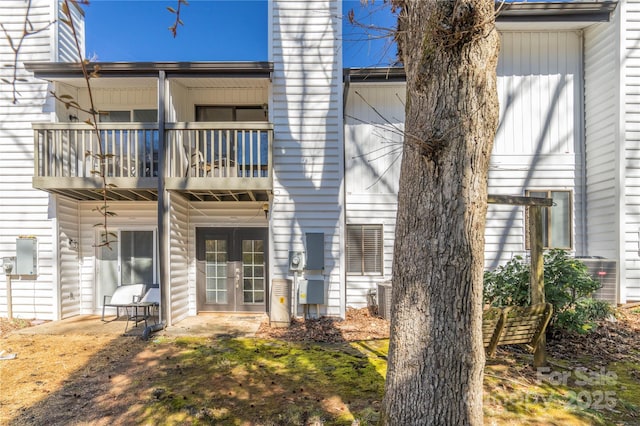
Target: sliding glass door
129	260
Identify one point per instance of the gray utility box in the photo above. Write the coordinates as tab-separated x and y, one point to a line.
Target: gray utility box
26	256
315	251
280	313
312	292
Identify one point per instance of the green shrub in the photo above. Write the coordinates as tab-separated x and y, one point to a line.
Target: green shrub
581	318
508	284
567	284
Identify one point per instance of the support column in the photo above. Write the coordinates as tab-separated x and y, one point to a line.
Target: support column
537	276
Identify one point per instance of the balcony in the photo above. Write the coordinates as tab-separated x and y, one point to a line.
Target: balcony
220	161
204	161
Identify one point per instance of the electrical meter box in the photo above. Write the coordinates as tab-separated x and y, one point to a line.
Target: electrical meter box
312	292
8	264
26	257
296	261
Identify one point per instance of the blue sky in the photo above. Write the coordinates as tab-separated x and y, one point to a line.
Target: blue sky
215	30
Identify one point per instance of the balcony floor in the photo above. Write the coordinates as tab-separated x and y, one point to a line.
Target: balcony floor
146	189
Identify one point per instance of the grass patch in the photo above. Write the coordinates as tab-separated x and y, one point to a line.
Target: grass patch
270	382
247	380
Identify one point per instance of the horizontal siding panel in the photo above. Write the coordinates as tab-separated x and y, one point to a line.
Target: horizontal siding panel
182	292
69	267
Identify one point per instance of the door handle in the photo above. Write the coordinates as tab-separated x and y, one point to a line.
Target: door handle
237	277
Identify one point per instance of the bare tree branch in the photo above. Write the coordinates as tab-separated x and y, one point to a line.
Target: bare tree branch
178	21
93	121
16	45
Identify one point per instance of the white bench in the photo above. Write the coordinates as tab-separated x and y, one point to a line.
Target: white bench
125	296
141	309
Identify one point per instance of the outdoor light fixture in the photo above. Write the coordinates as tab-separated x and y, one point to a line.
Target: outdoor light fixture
73	244
265	208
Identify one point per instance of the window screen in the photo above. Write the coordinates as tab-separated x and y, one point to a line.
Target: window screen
364	249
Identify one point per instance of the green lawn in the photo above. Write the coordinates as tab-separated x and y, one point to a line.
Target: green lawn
248	381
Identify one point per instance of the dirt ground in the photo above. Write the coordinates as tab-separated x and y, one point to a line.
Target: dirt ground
107	379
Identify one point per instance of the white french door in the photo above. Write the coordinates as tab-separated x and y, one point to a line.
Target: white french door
129	260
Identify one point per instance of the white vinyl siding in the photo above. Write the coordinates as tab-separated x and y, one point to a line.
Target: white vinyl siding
631	164
178	106
24	210
307	116
538	84
539	138
537	144
373	144
66	43
68	261
132	98
601	135
178	256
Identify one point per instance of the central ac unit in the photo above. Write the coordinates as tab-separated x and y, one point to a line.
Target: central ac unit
605	271
384	300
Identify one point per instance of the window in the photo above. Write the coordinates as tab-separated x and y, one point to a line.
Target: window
364	249
556	220
138	115
114	116
231	113
145	115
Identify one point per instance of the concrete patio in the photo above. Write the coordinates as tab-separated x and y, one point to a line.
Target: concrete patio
204	325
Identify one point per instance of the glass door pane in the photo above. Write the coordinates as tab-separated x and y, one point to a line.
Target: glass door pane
216	272
107	272
137	263
253	283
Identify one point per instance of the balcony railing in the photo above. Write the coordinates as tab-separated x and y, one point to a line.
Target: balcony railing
70	150
211	156
219	150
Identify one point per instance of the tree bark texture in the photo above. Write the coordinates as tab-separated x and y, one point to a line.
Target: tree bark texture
436	357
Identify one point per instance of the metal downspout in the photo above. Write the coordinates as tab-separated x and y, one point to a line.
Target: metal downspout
163	204
584	245
343	225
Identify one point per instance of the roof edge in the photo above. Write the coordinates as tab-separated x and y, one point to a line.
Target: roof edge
572	11
374	74
141	69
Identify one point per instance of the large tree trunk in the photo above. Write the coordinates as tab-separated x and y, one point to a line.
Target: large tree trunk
436	357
